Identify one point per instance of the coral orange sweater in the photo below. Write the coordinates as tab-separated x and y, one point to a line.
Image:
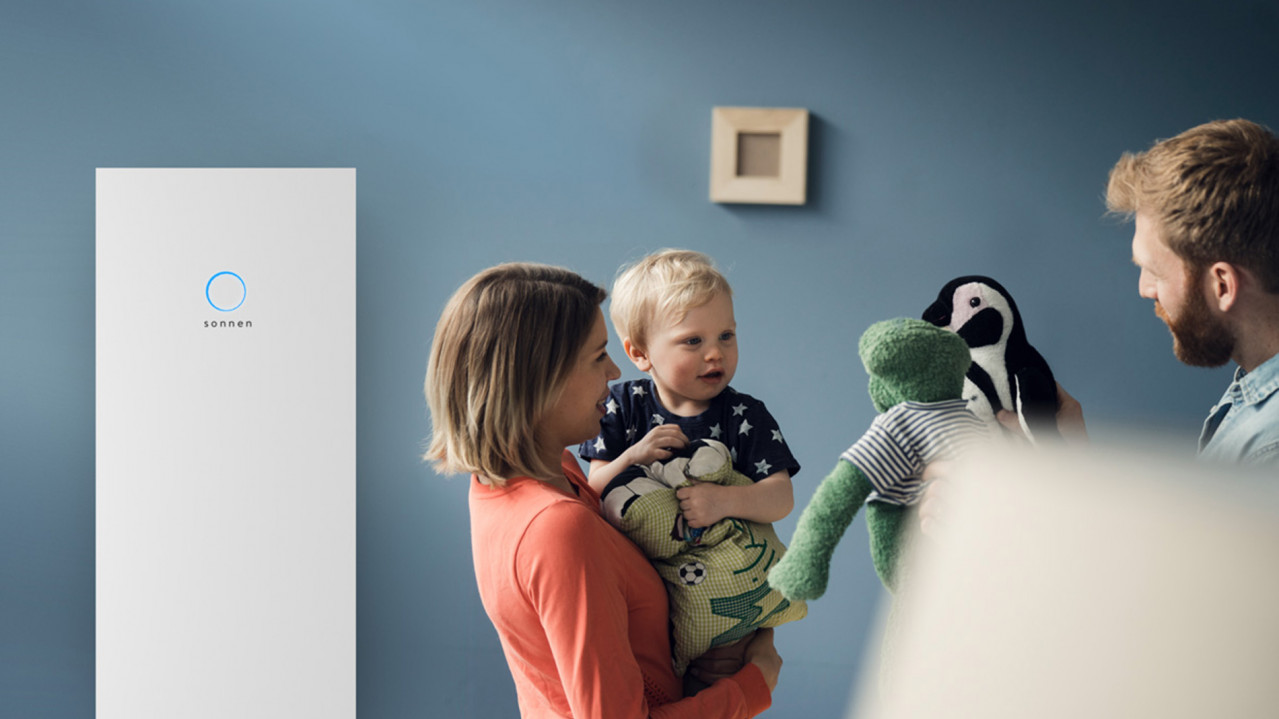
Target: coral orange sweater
581	614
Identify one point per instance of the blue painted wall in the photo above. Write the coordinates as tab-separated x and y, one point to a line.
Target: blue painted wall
945	141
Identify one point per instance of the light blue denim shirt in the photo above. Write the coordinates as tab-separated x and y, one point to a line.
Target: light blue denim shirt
1244	426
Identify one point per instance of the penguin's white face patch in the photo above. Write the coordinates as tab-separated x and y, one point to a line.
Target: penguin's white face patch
970	299
974	297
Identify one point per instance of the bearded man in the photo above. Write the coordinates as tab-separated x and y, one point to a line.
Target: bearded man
1206	239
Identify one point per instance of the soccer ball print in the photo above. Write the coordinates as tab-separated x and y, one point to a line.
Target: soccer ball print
692	573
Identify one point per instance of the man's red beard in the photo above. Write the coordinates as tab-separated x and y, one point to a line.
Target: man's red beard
1198	338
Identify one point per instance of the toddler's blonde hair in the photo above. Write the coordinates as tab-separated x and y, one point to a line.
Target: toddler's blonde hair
666	284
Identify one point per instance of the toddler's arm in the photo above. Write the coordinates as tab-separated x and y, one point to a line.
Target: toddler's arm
654	446
767	500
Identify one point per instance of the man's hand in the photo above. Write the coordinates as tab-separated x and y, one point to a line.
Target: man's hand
1070	418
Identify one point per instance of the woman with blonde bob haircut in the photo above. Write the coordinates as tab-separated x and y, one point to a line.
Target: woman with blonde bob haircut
505	342
519	372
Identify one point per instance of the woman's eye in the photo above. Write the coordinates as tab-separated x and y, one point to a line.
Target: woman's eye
974	302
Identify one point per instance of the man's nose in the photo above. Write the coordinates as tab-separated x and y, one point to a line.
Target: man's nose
1145	287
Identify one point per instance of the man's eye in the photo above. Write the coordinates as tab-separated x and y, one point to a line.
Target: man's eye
974	302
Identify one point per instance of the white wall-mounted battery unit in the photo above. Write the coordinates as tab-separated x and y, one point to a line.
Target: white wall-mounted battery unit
225	443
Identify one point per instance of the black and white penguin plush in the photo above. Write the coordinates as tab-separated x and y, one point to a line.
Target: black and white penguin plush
1006	373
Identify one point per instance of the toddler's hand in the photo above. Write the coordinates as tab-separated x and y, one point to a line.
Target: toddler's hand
703	503
657	444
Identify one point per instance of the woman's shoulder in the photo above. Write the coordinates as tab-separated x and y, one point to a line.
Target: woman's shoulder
527	505
563	515
565	537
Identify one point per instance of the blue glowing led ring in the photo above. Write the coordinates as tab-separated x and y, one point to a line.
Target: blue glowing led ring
244	292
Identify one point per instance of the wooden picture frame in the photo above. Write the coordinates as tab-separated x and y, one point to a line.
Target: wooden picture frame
759	155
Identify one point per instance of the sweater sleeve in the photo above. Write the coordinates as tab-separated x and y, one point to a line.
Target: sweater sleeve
574	583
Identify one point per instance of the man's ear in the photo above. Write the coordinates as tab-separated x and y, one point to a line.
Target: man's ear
1224	283
637	355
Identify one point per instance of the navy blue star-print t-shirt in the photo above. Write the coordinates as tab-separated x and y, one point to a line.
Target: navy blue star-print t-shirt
738	420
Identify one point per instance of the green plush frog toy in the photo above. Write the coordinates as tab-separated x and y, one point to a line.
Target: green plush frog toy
916	383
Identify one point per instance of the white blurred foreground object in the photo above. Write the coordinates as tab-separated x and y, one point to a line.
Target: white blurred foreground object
1090	585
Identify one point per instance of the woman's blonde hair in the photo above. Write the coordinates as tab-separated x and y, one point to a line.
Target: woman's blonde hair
505	343
1213	191
667	283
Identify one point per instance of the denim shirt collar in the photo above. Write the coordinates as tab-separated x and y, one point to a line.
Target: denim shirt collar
1255	386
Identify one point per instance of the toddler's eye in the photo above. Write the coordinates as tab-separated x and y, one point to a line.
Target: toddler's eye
974	302
727	336
693	341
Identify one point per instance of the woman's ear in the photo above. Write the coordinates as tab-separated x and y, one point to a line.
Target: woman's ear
637	355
